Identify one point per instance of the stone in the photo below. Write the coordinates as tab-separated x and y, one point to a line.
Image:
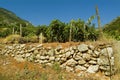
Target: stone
96	54
49	64
52	58
62	51
67	49
112	61
91	47
19	58
107	51
102	60
93	68
42	57
86	57
40	45
43	61
36	51
77	57
27	55
69	69
71	62
86	65
105	68
80	68
81	62
67	54
32	49
107	73
59	47
83	47
92	62
57	59
51	52
72	52
22	45
38	56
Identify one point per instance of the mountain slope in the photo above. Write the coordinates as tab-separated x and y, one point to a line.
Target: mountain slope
7	17
113	28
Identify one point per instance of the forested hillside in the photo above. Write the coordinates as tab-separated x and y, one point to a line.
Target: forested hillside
113	28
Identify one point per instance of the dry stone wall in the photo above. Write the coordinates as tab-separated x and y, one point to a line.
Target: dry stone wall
82	57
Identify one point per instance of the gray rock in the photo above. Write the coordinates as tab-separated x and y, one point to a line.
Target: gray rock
102	60
96	54
69	69
107	51
22	45
32	49
72	52
107	73
27	54
49	64
80	68
38	56
59	47
93	68
43	61
39	46
71	62
81	62
51	52
36	51
42	57
57	59
67	49
92	62
112	61
52	58
77	57
86	65
61	52
67	54
105	68
91	47
86	57
19	58
83	48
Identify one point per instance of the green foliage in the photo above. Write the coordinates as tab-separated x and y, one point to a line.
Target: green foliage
8	17
4	32
113	28
56	31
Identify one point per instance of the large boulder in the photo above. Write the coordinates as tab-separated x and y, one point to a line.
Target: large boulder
83	48
102	60
107	51
93	68
71	62
80	68
81	62
86	57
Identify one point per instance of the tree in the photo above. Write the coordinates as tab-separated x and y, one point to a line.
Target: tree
56	28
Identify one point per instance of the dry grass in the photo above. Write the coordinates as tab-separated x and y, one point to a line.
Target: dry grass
116	47
12	39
